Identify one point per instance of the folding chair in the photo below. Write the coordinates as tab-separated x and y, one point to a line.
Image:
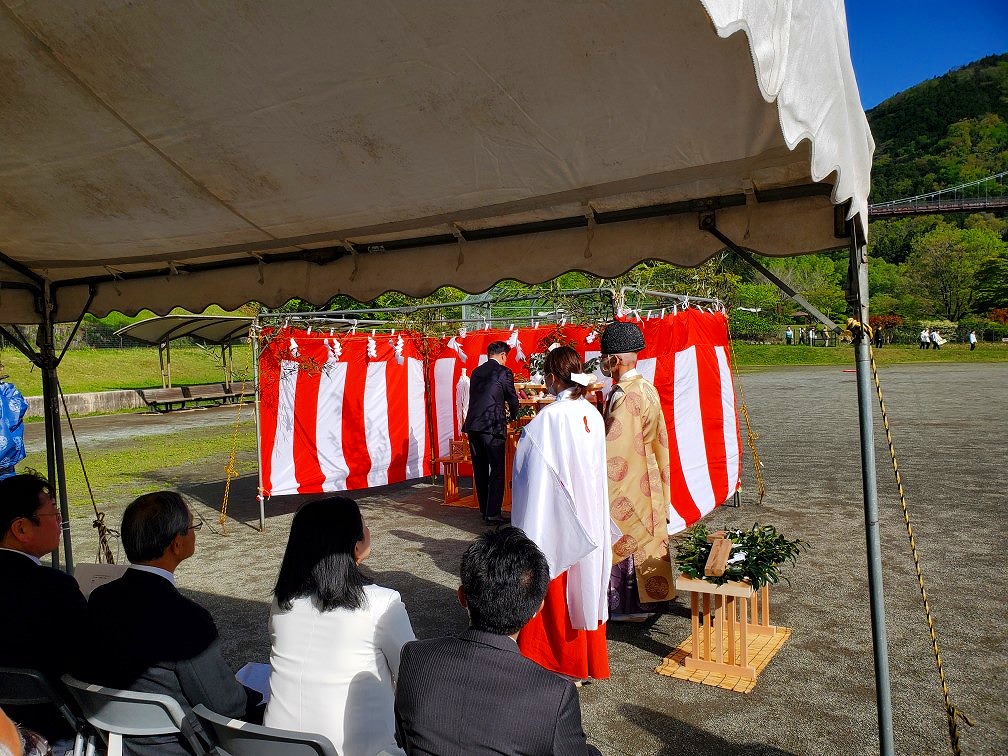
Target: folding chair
127	712
29	687
236	738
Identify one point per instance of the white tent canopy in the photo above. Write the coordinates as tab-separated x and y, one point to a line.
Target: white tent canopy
160	154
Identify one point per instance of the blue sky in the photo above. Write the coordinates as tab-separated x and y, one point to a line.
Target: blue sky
895	45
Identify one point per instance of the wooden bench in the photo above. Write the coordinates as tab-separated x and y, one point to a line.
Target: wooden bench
163	399
210	392
242	390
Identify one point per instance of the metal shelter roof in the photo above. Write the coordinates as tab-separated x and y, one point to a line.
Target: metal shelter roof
214	329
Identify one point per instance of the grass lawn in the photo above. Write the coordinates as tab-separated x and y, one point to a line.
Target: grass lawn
85	370
779	355
121	472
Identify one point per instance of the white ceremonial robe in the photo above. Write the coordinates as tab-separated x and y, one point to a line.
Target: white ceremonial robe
560	498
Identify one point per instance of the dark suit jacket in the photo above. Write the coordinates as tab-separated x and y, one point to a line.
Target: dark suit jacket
42	609
146	636
476	694
491	386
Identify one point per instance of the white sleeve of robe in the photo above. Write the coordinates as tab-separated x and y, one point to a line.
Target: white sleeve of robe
543	507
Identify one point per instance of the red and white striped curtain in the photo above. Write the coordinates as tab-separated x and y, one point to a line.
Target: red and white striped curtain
687	358
339	419
340	413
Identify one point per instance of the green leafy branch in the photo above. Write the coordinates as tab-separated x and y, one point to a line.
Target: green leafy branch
765	549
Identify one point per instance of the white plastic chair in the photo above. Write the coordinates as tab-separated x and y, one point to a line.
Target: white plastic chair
237	738
126	712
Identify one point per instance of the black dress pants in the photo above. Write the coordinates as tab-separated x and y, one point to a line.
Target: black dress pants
487	452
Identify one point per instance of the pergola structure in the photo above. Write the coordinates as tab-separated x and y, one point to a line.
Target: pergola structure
314	149
218	330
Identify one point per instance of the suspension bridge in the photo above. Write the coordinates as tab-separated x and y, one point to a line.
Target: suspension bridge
984	195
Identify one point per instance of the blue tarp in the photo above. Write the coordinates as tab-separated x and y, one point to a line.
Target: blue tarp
13	407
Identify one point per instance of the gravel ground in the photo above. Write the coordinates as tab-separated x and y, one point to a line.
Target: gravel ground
818	694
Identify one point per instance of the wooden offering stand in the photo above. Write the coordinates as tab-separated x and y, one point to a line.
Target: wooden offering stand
723	616
458	454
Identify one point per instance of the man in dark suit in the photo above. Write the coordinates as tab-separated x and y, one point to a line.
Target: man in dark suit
476	694
42	606
146	636
491	387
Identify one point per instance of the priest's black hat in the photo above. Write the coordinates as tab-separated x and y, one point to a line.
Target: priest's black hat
621	338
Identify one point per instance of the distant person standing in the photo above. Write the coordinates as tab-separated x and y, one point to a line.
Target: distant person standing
789	336
936	339
972	340
878	337
811	336
491	388
925	338
801	335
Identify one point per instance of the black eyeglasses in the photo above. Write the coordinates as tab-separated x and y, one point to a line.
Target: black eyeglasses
195	526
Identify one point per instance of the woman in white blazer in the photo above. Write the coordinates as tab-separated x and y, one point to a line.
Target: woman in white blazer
336	637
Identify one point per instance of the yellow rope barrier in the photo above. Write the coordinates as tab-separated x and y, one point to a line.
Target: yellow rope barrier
751	435
230	471
953	714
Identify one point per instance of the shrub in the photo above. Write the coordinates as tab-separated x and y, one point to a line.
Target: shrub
754	326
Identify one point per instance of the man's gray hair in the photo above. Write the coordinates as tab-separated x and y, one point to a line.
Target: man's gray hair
150	524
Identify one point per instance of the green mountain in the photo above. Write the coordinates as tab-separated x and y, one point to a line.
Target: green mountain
942	132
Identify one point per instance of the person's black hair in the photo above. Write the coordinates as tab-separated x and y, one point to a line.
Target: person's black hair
19	497
498	347
150	524
504	576
561	363
319	560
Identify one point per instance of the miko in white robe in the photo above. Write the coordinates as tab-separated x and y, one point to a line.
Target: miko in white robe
560	498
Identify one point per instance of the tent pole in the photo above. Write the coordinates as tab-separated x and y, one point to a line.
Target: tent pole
254	337
857	291
45	359
54	432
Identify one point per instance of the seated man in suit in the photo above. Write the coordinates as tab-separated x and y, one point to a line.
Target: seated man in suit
144	635
41	605
476	694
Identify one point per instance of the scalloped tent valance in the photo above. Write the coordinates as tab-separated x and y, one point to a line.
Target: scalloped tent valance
158	154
